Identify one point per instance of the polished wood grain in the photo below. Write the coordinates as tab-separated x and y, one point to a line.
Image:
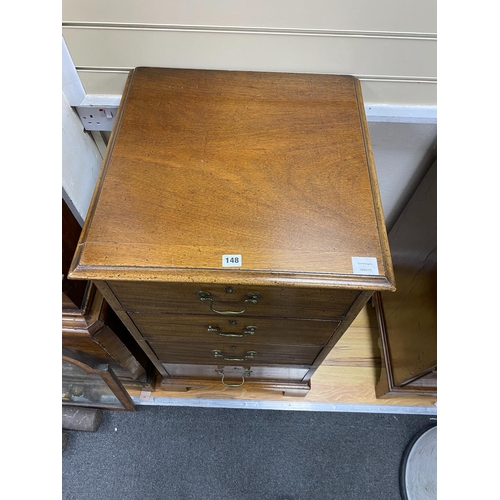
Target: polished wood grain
207	327
130	325
291	302
271	166
231	353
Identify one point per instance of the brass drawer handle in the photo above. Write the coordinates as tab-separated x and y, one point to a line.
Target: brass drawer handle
249	330
249	355
246	373
252	298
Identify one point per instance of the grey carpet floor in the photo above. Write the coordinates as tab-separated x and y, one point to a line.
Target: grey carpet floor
179	453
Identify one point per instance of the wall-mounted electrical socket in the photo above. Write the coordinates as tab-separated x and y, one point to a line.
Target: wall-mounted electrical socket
97	117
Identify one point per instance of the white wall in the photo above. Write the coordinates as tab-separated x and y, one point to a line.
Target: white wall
403	153
81	162
389	44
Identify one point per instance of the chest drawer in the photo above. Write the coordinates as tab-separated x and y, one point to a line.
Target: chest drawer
231	353
229	300
233	374
209	328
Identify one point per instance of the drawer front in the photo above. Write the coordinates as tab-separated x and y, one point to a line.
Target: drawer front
215	328
233	374
231	353
228	300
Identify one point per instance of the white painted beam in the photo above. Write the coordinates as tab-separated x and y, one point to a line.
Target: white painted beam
401	114
71	85
81	161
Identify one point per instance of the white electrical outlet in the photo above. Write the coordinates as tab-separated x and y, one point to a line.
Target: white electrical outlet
97	117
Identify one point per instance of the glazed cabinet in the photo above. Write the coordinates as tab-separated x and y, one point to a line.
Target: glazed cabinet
236	227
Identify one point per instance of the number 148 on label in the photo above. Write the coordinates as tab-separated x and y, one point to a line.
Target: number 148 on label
233	260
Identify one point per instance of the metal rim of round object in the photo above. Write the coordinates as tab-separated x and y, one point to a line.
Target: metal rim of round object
418	471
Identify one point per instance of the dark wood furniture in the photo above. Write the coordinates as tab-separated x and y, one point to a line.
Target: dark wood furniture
88	382
90	327
236	227
408	318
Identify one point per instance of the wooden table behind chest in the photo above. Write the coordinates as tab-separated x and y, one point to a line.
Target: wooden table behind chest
236	226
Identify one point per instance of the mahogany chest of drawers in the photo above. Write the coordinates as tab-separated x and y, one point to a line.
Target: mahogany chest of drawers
236	226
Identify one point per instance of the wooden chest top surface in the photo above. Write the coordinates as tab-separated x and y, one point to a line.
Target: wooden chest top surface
273	167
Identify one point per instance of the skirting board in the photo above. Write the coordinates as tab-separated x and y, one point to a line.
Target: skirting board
284	405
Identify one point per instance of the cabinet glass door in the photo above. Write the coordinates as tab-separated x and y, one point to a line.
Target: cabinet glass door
86	382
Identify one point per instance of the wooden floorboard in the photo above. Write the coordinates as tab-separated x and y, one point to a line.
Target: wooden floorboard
347	376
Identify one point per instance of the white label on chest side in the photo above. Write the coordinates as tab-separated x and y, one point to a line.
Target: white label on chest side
233	260
364	265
